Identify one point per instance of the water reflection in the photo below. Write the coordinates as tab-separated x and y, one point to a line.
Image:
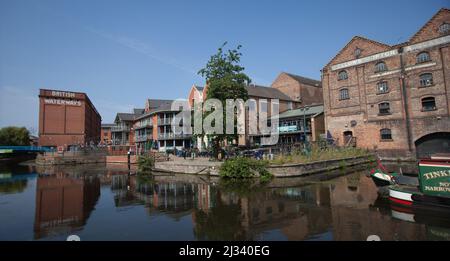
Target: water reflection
63	204
106	203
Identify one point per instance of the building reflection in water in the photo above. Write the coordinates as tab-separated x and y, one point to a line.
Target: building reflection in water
174	199
64	203
346	208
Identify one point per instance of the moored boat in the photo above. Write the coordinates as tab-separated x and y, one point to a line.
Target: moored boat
382	178
433	188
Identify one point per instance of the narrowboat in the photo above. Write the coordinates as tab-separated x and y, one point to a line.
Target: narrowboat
382	178
433	188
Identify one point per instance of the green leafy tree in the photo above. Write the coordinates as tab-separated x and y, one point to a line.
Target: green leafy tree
14	136
225	79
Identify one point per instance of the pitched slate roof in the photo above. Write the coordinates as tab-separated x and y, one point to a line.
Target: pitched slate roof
155	106
305	80
108	125
266	92
155	103
125	116
199	88
138	111
312	110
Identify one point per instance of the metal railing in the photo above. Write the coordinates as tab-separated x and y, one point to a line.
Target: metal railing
120	128
162	136
166	121
143	138
299	129
146	125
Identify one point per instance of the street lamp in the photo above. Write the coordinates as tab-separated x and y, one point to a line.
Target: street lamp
304	109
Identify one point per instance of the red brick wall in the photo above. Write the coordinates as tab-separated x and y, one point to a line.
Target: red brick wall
362	107
67	124
308	94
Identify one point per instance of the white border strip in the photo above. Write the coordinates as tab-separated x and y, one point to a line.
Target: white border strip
435	165
400	195
378	56
402	216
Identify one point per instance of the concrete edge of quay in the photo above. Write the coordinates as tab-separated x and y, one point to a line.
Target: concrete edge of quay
279	171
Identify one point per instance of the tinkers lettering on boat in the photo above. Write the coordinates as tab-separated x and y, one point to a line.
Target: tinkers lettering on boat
437	174
196	251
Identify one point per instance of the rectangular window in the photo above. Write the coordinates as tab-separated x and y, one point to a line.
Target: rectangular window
343	94
384	108
386	134
426	79
382	87
428	104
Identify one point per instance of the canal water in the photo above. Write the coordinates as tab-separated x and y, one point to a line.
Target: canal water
105	203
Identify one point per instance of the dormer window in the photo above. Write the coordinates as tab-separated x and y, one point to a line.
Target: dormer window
342	75
380	67
423	57
444	28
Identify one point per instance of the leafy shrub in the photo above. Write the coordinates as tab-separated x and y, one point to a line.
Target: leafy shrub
244	168
146	163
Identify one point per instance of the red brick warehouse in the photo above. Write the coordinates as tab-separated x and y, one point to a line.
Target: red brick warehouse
392	98
67	119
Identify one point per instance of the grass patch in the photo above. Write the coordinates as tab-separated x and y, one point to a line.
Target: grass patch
320	154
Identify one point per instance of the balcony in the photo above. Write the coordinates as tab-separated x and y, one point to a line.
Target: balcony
171	136
120	128
166	121
143	126
292	129
142	138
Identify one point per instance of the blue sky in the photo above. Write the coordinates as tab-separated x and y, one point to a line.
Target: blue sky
122	52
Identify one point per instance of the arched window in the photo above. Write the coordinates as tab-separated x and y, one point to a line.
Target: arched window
384	108
386	134
423	57
426	79
428	104
382	87
343	94
380	67
342	75
444	28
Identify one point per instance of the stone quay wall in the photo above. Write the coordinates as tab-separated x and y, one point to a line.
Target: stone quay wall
305	169
68	158
279	171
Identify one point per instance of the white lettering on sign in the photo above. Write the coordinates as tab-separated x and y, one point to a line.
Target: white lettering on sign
427	44
410	48
367	59
63	94
63	102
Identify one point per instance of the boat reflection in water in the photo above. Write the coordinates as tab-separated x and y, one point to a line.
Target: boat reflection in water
109	204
